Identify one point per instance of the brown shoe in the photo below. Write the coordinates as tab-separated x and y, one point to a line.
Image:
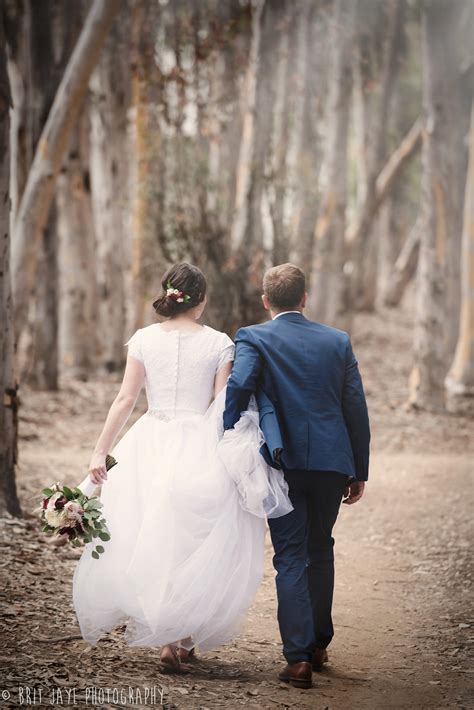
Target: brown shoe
185	655
170	659
297	675
320	657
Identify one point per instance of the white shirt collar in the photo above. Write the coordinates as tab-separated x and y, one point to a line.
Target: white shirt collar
283	313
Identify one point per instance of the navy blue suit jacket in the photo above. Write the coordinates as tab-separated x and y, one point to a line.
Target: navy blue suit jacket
309	391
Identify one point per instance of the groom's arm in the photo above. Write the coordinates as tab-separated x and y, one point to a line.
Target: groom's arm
243	379
354	407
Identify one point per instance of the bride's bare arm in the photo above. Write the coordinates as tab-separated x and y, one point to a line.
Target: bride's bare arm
119	412
221	378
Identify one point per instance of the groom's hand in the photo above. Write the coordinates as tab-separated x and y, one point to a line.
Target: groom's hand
277	456
354	492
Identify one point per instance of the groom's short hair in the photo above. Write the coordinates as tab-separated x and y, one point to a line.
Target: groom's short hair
284	286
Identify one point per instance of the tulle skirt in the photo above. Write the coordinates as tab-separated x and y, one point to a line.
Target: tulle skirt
186	554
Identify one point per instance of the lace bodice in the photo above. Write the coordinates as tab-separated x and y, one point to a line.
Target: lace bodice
180	367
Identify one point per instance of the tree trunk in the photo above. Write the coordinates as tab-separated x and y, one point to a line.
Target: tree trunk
52	32
276	183
78	302
374	141
271	16
39	190
328	294
460	379
214	125
310	149
444	163
390	216
384	185
9	387
388	248
18	147
107	157
405	267
240	270
234	54
147	259
46	367
247	142
292	202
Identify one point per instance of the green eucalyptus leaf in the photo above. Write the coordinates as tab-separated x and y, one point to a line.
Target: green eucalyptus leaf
68	493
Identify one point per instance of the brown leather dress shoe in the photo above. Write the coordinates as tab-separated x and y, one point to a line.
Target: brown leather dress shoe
297	675
320	657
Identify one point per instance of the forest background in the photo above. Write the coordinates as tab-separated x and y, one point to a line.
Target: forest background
338	134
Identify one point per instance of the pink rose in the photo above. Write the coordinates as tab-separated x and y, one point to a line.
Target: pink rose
74	512
73	506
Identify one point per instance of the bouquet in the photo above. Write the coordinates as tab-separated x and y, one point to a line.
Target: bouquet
70	512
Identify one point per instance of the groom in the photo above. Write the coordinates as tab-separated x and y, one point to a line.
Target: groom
316	427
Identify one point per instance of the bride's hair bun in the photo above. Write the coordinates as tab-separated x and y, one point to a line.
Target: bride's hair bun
189	281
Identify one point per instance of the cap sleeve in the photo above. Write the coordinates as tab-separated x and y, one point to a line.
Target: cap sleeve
226	351
134	346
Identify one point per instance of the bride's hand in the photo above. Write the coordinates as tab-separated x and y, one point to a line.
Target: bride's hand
97	469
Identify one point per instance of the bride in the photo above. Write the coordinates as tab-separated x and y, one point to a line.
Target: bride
185	506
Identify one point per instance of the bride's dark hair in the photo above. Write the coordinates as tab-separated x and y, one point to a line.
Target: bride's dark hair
185	278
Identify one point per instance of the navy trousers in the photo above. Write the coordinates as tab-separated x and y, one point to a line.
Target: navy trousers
304	561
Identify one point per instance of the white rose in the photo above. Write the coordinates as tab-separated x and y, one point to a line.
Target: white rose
55	518
53	500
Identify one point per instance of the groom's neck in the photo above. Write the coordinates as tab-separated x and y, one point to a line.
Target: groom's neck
274	313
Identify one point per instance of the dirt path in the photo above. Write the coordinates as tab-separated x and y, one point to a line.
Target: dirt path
403	606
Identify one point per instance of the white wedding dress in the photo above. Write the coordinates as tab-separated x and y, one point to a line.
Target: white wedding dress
185	506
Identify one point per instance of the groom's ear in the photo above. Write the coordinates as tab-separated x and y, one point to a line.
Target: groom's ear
266	302
304	300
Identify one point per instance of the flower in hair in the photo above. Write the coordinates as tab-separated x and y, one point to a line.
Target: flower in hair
175	294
